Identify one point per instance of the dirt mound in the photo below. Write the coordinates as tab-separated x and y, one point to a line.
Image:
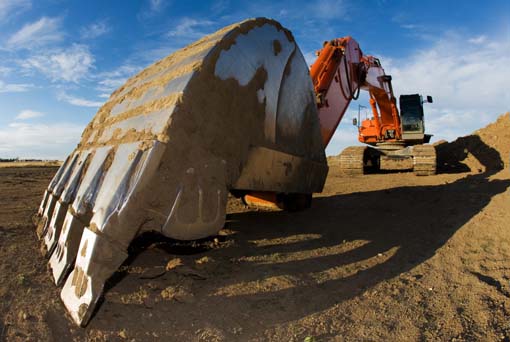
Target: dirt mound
486	149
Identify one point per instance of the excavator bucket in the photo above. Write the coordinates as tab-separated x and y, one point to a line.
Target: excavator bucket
233	111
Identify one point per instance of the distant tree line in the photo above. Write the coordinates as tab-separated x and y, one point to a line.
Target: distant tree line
18	160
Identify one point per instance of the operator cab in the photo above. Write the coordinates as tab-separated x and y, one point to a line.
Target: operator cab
411	114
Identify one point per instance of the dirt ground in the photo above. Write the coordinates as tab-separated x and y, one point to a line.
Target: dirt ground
36	163
391	257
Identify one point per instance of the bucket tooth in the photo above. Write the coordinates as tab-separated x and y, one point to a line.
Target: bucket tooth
43	203
64	256
54	197
47	212
98	258
67	196
52	185
53	230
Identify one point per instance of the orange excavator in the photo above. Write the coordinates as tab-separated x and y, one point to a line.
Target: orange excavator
235	112
396	140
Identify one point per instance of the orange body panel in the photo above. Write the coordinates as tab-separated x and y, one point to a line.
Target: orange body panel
262	199
324	68
385	122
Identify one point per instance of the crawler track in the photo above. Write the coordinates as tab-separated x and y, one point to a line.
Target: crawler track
352	160
424	158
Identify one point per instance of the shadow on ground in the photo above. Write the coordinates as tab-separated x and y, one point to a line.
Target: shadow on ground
451	156
289	277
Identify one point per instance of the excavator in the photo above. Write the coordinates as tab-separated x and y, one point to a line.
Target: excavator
237	112
396	141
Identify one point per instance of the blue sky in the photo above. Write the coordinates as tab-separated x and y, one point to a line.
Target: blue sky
60	60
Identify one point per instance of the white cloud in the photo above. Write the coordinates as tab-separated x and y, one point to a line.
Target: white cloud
190	28
5	70
153	8
328	9
78	101
408	26
219	6
28	114
39	33
45	141
157	5
111	80
104	96
95	30
110	84
71	65
478	39
8	8
14	87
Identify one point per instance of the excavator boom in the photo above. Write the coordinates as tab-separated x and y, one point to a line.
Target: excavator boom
336	80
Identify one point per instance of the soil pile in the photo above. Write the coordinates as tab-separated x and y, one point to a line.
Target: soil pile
484	150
